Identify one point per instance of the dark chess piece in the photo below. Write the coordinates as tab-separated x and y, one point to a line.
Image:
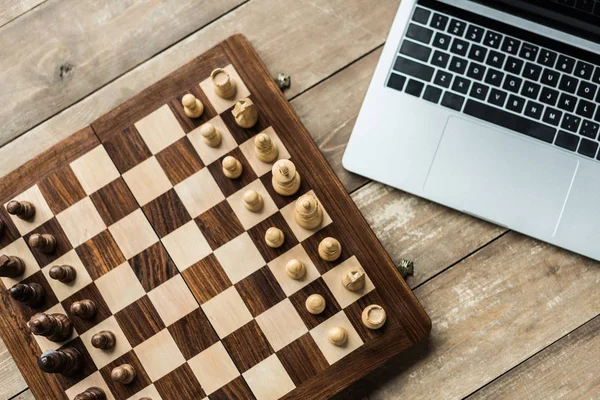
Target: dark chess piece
85	309
104	340
66	362
11	266
55	327
63	273
30	294
44	242
124	374
22	209
93	393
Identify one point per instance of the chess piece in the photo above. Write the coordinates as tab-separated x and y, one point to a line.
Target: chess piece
265	148
211	135
285	180
337	335
44	242
253	201
315	304
232	168
223	85
11	266
373	316
124	374
31	294
330	249
84	309
22	209
92	393
245	113
66	362
192	107
55	327
354	279
295	269
274	237
104	340
308	213
63	273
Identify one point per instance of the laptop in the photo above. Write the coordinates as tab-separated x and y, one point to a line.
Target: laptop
491	107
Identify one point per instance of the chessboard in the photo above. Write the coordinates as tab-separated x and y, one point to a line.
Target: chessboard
197	247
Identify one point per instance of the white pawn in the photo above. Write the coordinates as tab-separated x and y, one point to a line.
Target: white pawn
285	180
245	113
330	249
337	336
308	213
192	107
212	136
223	85
266	150
232	168
295	269
315	304
253	201
274	237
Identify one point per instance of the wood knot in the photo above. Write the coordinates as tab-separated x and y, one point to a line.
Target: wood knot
65	70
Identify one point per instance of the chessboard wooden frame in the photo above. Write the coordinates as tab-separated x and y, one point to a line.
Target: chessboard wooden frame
407	321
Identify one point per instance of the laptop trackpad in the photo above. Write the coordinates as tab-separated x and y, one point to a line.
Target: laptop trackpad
500	176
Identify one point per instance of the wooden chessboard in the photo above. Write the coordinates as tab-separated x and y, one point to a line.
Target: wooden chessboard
179	269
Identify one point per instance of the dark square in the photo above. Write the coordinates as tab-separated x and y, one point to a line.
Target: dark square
63	245
302	359
219	225
247	346
166	213
206	279
47	302
114	201
241	134
236	389
260	291
311	245
298	299
193	333
189	124
119	390
127	149
100	254
88	366
354	313
90	292
153	266
282	201
257	233
179	384
61	189
8	231
139	321
230	186
180	160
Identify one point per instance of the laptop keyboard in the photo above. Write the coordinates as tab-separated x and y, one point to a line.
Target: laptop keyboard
447	59
588	6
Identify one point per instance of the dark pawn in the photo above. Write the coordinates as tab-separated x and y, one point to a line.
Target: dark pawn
11	266
30	294
66	362
44	242
124	373
93	393
104	340
56	327
22	209
63	273
85	309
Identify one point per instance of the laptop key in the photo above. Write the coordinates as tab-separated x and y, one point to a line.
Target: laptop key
512	83
396	81
583	70
415	50
567	102
547	58
532	71
530	90
441	41
515	103
513	65
570	122
492	39
549	96
453	101
494	77
550	77
443	78
585	5
440	59
477	53
439	21
568	83
596	76
529	51
495	59
587	90
565	64
474	33
589	129
567	140
461	85
585	108
456	27
510	45
588	148
533	109
459	47
413	68
421	15
497	97
458	65
432	94
476	71
479	91
552	116
414	87
419	33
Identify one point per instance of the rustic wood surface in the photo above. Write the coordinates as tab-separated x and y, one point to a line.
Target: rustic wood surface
512	317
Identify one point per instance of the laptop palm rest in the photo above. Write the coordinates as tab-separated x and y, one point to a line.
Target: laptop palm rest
501	176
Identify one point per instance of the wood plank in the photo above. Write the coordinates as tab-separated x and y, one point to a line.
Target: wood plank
12	381
10	10
568	368
26	395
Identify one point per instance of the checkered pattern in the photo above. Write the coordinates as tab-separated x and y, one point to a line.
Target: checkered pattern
178	267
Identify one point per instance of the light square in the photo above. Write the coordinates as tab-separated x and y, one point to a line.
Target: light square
42	341
220	104
20	249
281	324
199	192
133	234
173	300
186	245
239	257
227	312
208	154
64	290
332	352
42	210
289	285
159	129
213	368
149	392
94	170
268	379
81	221
104	357
159	355
120	287
333	279
249	218
261	167
147	181
94	380
301	233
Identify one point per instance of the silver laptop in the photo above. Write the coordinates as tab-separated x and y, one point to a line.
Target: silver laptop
492	108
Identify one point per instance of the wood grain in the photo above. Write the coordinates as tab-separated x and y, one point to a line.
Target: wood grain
12	9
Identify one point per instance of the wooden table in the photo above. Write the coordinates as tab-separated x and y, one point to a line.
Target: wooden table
512	317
